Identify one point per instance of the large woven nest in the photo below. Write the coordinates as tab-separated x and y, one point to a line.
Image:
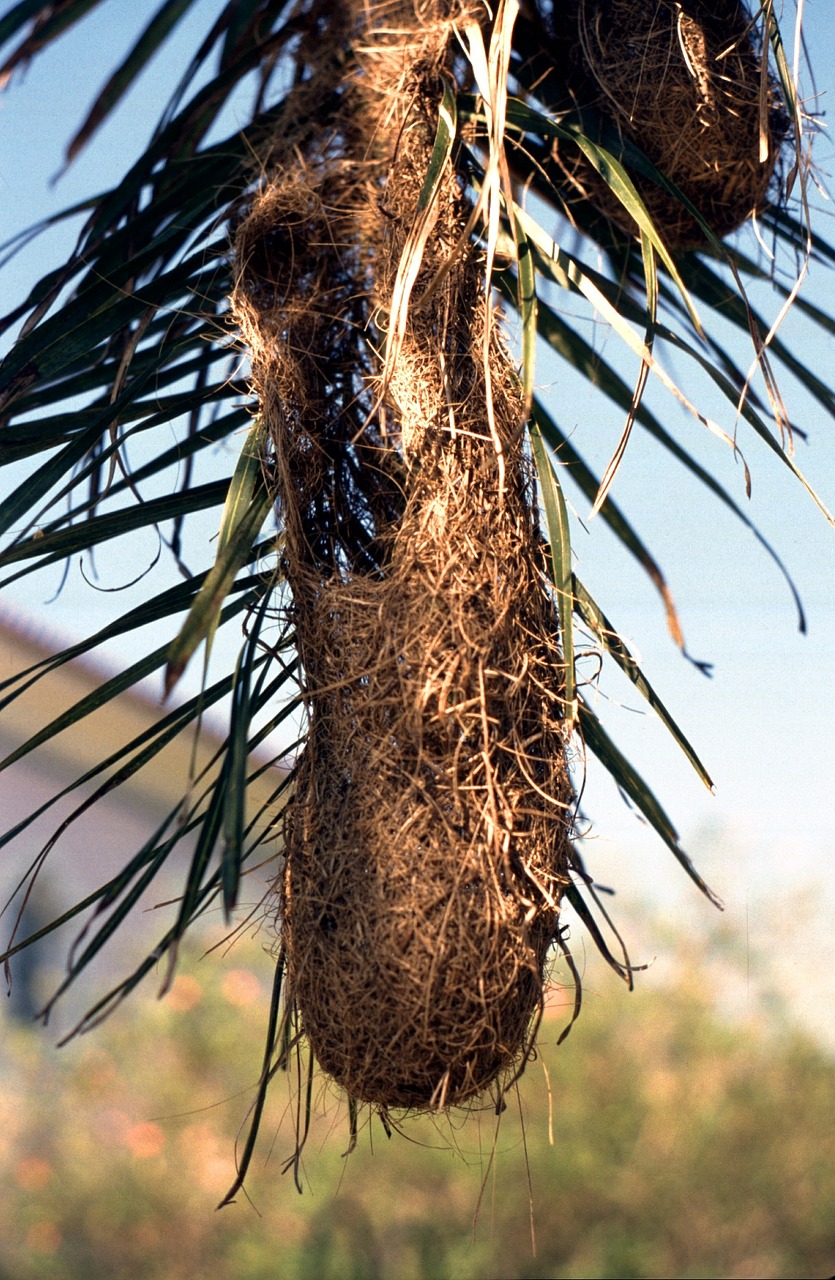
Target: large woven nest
687	82
427	840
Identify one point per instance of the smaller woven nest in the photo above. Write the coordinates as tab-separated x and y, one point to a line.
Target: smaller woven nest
427	841
687	82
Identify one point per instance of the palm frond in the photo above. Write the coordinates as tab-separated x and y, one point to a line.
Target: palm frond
126	346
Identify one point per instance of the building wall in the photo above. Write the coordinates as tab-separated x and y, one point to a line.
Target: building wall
92	848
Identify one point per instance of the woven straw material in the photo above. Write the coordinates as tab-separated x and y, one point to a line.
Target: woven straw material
684	80
427	842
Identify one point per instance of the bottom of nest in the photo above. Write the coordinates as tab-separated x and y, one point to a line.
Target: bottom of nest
418	1068
420	1001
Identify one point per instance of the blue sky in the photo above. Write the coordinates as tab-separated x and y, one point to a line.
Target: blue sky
765	723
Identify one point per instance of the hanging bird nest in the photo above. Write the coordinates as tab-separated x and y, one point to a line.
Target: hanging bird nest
427	842
687	82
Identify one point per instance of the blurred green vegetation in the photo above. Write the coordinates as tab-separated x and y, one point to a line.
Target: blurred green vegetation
686	1143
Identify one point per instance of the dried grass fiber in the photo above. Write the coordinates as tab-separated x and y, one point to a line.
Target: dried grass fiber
427	843
683	80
